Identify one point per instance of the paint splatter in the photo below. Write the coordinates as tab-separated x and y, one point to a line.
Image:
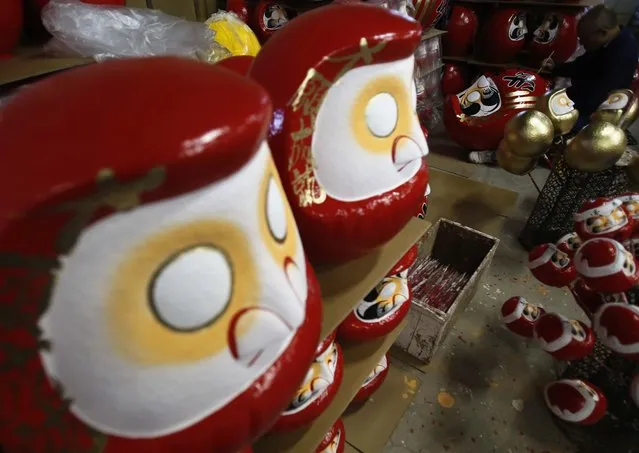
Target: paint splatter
445	399
518	405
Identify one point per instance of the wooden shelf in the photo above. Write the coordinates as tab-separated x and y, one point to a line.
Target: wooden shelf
474	62
359	360
343	286
568	4
369	427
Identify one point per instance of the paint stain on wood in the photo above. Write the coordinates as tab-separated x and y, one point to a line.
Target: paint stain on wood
445	399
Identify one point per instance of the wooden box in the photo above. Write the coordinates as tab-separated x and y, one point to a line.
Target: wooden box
466	250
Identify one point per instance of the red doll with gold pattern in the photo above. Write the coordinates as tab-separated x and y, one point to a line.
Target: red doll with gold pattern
576	401
606	266
318	389
502	36
345	134
334	440
476	117
520	316
551	266
373	381
143	308
384	307
603	217
562	338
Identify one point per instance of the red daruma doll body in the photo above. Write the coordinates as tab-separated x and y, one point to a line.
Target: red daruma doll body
150	311
345	134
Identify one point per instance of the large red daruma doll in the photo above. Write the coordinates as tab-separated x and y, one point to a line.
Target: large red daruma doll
555	37
149	310
502	35
345	135
475	118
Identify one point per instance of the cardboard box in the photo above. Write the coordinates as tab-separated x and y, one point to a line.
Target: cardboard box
466	250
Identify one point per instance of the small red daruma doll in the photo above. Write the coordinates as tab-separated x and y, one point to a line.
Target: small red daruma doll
551	266
606	266
520	316
318	388
617	327
345	134
603	217
150	311
569	244
576	401
590	301
334	440
384	307
562	338
373	381
630	204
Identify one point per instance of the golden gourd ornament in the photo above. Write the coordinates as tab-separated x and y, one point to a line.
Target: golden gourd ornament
597	147
513	163
529	134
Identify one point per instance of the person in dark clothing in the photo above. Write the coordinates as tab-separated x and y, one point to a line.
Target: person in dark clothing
608	64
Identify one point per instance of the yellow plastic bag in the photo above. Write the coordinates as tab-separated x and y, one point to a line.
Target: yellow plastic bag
233	34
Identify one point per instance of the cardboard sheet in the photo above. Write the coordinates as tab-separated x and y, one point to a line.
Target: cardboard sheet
369	427
471	203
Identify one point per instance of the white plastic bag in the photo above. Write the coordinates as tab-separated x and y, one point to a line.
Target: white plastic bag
103	32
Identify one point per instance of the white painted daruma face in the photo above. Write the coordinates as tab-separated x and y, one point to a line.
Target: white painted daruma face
379	368
319	377
163	314
367	138
517	28
616	101
561	104
547	31
480	99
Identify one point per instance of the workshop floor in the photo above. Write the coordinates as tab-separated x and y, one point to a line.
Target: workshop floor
482	391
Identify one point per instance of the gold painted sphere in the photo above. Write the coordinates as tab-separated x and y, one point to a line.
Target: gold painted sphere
512	163
597	147
529	134
559	108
